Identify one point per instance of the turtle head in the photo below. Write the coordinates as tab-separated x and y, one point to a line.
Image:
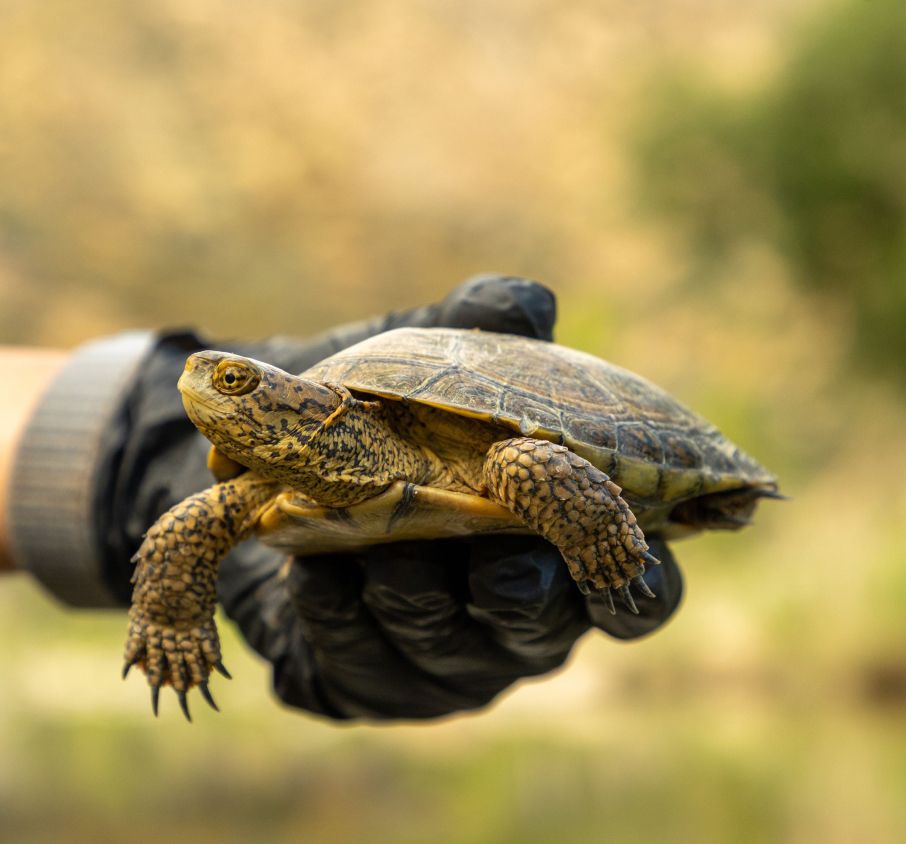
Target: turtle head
252	411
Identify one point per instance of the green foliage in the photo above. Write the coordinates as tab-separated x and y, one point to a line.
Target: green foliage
814	164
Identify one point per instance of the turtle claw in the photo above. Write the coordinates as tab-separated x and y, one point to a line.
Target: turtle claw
626	597
650	558
643	587
607	597
184	705
584	588
172	656
206	694
135	653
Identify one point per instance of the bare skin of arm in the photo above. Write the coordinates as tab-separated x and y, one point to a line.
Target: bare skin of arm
27	372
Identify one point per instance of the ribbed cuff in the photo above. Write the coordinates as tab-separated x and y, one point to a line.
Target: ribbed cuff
54	484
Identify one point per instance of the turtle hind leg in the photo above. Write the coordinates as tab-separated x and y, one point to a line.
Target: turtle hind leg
576	507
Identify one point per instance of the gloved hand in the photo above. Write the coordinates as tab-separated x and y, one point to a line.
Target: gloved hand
406	630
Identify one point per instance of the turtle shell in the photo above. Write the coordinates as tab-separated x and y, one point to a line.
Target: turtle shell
655	448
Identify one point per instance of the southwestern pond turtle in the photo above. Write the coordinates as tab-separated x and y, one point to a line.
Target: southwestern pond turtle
428	433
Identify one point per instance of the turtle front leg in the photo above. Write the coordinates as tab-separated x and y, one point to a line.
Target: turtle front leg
576	507
172	634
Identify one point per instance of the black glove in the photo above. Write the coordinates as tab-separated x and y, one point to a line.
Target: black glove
407	630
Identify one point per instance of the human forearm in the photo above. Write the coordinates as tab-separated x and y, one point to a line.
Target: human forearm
26	374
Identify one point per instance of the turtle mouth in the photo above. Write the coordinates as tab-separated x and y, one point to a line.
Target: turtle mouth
192	401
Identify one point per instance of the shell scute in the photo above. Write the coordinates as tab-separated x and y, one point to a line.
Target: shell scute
679	451
474	396
601	432
639	440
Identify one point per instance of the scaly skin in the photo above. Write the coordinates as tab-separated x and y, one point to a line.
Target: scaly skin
172	633
576	507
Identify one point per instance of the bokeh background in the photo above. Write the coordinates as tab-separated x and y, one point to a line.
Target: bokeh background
717	193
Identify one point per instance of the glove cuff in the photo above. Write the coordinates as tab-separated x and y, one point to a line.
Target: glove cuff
53	530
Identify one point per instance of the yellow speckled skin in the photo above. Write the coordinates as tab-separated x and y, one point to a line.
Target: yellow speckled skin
172	635
573	447
573	505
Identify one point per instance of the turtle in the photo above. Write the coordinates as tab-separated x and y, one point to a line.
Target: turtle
423	433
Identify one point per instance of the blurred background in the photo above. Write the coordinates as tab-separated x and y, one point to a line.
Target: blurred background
717	193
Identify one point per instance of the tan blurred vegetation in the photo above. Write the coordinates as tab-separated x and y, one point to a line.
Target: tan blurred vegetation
809	164
278	167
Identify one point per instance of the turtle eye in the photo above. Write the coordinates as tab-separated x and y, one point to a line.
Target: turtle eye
235	378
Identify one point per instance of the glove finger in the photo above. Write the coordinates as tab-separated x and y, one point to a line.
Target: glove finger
417	593
665	580
500	303
360	670
251	592
523	595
